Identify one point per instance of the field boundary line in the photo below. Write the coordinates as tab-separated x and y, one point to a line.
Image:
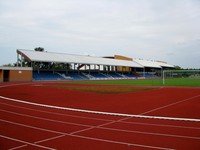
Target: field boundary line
100	112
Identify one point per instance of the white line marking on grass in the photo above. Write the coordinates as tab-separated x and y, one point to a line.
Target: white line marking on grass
28	143
169	105
99	112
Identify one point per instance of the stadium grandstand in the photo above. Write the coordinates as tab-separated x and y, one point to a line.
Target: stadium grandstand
60	66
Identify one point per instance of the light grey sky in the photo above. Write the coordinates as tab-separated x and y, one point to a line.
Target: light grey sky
167	30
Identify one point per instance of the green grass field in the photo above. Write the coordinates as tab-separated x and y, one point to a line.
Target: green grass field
194	82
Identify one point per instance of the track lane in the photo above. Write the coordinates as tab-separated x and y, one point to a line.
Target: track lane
186	108
86	135
175	130
143	139
6	144
52	111
102	102
101	142
26	143
58	126
96	128
63	117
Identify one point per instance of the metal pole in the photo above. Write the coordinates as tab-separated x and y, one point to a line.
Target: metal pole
21	60
17	60
163	73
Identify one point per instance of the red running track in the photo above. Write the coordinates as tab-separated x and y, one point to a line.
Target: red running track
26	126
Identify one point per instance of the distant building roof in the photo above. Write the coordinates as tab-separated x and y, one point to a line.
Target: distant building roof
153	64
31	55
16	68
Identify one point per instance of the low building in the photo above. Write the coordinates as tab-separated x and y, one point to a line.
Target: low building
15	74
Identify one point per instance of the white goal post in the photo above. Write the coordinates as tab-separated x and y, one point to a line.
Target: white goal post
167	74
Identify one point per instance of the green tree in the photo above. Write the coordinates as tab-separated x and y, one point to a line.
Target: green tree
7	65
40	49
177	67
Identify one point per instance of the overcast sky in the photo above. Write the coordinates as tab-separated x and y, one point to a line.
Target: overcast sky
167	30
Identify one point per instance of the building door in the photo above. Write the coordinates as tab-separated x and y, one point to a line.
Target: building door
6	75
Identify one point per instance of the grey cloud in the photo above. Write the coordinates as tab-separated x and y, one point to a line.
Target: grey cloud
151	29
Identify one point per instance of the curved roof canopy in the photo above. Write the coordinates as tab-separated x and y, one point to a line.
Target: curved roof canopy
153	64
31	55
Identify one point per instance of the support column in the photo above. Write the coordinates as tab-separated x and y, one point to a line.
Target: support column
89	69
17	60
21	60
144	72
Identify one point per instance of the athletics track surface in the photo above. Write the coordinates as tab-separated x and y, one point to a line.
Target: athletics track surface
27	126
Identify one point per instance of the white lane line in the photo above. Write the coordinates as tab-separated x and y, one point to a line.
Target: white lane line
92	127
99	112
150	133
169	105
159	125
122	143
41	118
18	84
104	140
28	143
37	128
101	127
18	147
127	122
53	138
85	137
98	126
60	114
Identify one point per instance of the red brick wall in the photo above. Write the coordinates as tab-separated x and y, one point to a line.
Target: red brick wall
20	75
1	75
